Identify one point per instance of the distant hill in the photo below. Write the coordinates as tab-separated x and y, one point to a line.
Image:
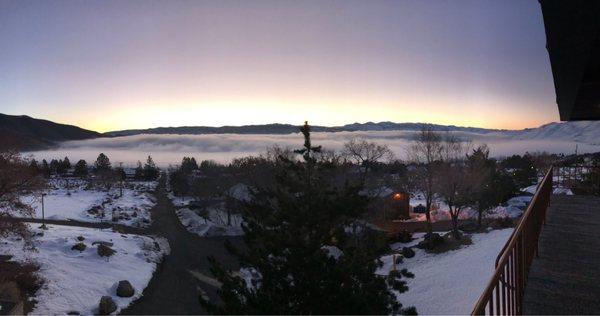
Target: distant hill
289	128
27	133
580	131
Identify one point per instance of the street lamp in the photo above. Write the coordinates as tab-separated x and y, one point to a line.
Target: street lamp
43	215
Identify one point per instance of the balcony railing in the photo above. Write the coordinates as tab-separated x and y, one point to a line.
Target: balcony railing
504	293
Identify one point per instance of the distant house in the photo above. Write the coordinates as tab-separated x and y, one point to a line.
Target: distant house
388	204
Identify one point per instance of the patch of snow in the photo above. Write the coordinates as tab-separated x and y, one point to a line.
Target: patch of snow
213	223
450	282
417	238
240	192
75	281
332	251
75	200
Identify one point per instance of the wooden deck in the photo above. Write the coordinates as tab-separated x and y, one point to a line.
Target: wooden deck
565	279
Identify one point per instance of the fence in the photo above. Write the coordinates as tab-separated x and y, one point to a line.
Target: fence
568	176
504	293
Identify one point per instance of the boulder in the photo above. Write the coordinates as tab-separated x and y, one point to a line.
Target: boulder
80	238
399	259
105	251
408	252
125	289
4	258
106	306
79	246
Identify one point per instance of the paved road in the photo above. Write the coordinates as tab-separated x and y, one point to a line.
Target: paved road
174	289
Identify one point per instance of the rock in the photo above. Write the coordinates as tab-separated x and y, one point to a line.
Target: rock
73	313
105	251
4	258
125	289
399	259
106	306
408	252
79	246
80	238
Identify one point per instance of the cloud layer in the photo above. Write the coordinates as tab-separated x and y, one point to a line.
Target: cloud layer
169	149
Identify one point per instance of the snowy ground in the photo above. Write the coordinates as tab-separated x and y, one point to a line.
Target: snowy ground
75	281
211	221
449	282
75	200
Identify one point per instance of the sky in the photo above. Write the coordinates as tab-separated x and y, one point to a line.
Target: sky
113	65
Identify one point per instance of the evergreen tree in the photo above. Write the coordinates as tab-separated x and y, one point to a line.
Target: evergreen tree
139	171
307	249
496	188
33	164
178	181
522	169
45	169
188	164
66	163
63	166
81	169
120	173
150	170
54	166
102	163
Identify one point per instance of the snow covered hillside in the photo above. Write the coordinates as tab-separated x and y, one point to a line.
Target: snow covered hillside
449	283
76	280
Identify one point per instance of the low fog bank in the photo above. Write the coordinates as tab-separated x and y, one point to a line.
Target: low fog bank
169	149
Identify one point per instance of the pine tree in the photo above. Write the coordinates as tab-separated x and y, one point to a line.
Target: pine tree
81	169
150	170
45	169
188	164
102	163
139	171
54	166
309	251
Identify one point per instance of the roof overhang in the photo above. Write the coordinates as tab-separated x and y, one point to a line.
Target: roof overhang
573	43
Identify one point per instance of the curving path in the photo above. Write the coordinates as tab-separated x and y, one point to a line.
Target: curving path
184	274
178	282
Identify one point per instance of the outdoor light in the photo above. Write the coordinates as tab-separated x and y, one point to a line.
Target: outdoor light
397	196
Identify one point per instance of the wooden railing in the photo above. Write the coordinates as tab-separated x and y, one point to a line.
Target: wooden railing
504	293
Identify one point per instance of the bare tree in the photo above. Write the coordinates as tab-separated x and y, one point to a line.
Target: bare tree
17	177
365	153
426	152
457	183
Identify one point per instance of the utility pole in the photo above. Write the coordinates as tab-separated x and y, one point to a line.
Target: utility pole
43	215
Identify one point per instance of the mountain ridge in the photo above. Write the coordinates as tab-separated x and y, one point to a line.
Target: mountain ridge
279	128
27	133
22	132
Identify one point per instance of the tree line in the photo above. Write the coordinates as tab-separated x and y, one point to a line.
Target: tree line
101	167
